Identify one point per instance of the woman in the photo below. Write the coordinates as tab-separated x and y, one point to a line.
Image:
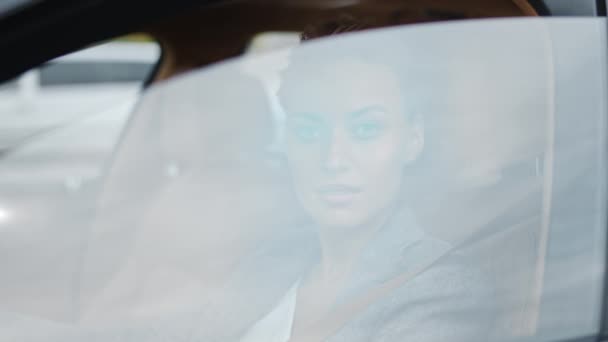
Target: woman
353	132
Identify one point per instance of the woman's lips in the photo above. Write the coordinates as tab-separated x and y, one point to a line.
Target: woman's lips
337	195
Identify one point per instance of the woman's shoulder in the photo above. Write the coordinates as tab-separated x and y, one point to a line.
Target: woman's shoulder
455	272
451	299
441	295
434	271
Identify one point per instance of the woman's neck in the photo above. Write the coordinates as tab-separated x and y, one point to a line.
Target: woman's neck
340	246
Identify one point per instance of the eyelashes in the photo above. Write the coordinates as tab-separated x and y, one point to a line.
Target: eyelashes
366	130
362	131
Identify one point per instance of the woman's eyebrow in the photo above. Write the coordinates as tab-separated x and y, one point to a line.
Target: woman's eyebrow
366	110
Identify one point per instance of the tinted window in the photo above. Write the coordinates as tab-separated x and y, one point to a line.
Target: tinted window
65	73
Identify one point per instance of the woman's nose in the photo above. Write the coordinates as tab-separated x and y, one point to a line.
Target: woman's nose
336	154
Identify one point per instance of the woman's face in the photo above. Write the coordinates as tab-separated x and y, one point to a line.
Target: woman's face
348	139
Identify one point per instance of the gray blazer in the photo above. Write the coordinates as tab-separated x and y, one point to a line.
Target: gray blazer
451	300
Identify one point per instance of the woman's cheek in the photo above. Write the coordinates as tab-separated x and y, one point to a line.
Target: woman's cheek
382	157
382	168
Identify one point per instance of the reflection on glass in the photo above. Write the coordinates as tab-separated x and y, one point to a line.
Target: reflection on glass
430	183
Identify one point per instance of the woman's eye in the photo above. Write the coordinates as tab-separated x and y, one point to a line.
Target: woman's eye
307	133
366	131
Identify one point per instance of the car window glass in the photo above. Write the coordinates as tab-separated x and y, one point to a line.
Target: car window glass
431	182
93	72
55	141
72	87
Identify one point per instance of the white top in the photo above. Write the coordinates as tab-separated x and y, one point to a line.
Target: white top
276	326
